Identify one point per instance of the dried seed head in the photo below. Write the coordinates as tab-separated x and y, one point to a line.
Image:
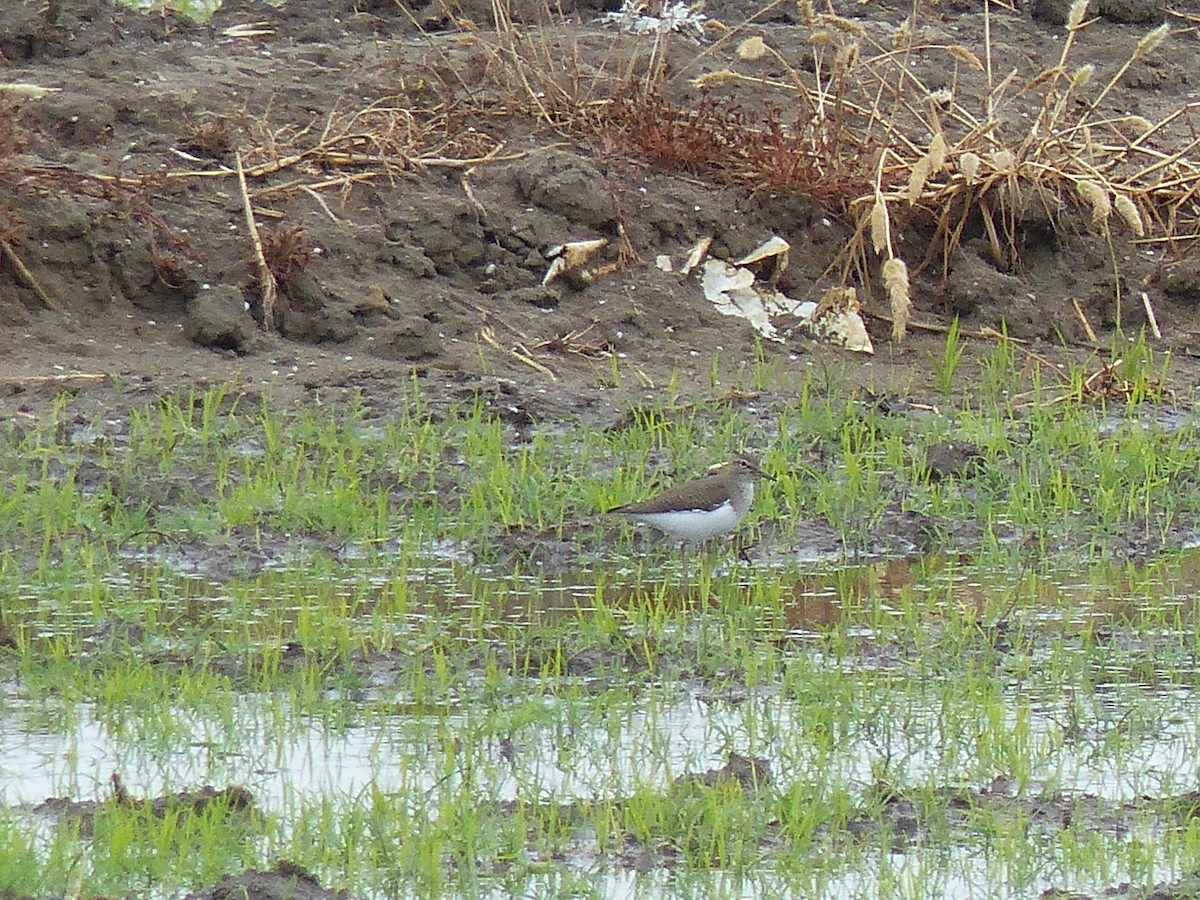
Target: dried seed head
895	281
942	96
961	53
1003	161
847	25
903	36
805	8
968	164
1082	76
1076	13
917	178
751	49
880	224
712	79
1151	40
928	165
1097	201
1139	124
937	153
1129	214
845	57
1040	77
821	39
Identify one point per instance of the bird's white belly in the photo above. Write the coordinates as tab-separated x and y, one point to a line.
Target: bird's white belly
694	524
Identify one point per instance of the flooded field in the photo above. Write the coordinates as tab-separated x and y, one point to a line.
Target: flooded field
908	729
405	655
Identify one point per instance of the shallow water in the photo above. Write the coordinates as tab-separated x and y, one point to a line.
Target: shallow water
1057	722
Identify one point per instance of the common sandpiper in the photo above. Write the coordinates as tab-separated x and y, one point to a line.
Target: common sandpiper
704	507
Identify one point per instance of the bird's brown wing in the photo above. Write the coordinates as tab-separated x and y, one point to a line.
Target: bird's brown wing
691	495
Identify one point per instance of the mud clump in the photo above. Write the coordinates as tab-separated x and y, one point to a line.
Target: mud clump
287	881
218	319
231	800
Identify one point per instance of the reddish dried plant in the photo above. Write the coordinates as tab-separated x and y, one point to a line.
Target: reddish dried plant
10	226
287	250
168	268
12	137
724	139
212	138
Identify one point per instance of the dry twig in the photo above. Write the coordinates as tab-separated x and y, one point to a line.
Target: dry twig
266	280
519	352
24	275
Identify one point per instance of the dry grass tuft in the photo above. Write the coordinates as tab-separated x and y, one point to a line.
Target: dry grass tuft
287	251
726	141
1077	165
863	136
385	138
212	138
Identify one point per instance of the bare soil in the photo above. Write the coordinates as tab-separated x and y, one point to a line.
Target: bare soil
119	196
